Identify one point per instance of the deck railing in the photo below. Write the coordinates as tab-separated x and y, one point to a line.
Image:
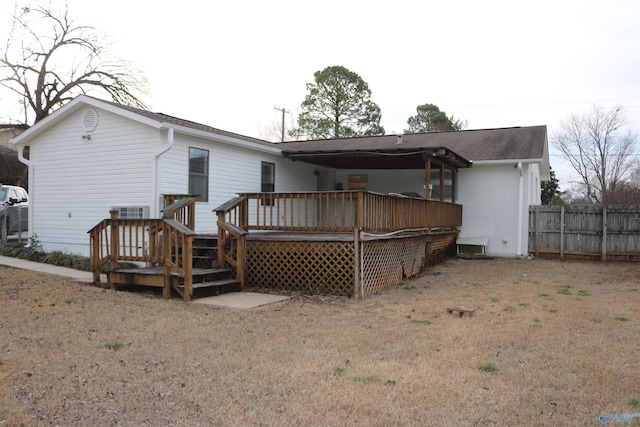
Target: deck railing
167	242
232	235
180	207
340	211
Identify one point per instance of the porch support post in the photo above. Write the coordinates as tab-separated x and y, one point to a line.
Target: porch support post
427	176
454	184
442	182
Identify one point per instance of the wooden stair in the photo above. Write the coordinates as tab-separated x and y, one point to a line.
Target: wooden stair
208	278
213	281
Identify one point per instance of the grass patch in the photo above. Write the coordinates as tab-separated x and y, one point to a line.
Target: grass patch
367	379
635	402
68	301
543	295
390	382
584	293
623	319
436	273
409	288
553	310
488	367
524	304
113	345
494	299
338	372
1	361
421	322
509	309
564	291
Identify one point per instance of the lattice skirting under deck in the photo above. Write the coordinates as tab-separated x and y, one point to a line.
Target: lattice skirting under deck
328	267
319	267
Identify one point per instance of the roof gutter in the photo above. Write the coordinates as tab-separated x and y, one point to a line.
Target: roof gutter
226	139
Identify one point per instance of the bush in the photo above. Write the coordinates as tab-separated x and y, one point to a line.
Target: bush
33	252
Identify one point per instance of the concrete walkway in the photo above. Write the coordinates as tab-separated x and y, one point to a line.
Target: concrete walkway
232	300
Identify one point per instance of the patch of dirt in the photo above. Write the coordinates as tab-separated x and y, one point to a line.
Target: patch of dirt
549	343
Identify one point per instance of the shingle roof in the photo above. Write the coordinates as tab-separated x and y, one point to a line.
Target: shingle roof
484	144
165	118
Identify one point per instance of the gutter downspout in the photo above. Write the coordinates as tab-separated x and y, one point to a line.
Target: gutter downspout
520	202
23	160
156	175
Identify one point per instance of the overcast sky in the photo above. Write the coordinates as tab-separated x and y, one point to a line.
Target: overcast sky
492	63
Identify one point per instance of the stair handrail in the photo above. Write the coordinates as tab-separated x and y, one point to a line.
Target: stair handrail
181	209
99	248
232	235
177	256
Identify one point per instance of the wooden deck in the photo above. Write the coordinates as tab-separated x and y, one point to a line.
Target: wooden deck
352	243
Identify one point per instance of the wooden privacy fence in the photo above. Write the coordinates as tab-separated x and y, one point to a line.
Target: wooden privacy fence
578	232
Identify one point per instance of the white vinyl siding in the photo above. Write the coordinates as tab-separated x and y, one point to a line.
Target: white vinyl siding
76	181
232	170
490	196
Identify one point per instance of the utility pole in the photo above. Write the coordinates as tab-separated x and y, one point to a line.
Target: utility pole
283	111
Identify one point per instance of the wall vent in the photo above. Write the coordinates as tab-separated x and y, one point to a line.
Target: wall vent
90	120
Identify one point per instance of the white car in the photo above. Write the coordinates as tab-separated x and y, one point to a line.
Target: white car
14	209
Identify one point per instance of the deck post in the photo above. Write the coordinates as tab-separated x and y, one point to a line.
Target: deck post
166	269
220	240
241	266
115	244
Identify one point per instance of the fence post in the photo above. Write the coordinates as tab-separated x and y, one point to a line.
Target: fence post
562	232
535	232
356	263
604	232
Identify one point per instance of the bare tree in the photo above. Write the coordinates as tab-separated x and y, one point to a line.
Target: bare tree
48	61
273	131
599	149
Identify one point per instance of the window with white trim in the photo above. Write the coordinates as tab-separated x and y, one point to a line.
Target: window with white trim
268	180
199	173
132	212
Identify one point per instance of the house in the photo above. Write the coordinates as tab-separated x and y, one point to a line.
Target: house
92	157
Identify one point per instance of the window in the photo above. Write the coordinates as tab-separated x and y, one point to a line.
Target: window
268	181
199	173
132	212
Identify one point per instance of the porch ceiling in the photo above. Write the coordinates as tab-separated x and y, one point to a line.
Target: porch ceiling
379	159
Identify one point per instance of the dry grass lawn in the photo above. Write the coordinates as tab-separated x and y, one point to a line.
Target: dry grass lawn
563	337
